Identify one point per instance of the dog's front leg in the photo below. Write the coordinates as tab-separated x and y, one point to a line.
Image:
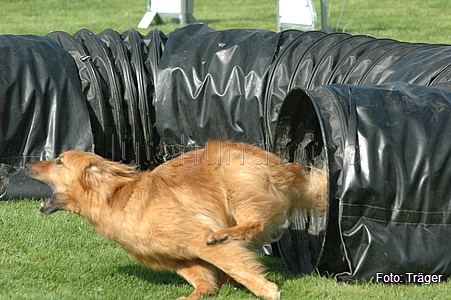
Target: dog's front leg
239	263
201	275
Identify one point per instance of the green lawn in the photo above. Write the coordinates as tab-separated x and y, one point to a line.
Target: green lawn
62	257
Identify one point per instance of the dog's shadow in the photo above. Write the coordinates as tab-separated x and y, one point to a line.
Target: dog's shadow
154	277
273	265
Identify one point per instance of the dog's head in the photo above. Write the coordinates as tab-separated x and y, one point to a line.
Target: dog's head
76	177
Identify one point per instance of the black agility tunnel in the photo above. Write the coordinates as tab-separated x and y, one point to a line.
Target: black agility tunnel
389	165
373	110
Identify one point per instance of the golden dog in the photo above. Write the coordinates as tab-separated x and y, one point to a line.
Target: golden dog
197	215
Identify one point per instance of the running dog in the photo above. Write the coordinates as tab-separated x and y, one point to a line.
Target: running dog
200	214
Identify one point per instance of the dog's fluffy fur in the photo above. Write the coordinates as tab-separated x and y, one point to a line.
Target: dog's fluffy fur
198	215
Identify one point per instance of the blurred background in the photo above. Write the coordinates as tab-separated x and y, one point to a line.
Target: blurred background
404	20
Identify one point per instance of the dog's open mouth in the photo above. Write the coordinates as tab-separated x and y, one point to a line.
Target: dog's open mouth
52	205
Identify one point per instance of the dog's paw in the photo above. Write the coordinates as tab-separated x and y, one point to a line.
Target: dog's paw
273	292
217	237
214	241
194	296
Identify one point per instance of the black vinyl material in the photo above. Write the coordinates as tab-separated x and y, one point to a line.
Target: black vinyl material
389	171
373	110
39	101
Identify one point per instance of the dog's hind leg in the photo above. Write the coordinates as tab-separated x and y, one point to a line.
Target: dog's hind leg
242	231
251	217
241	264
201	275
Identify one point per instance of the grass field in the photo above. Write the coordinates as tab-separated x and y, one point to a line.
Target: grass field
62	257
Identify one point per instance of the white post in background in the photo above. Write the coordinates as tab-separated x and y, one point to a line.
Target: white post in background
180	10
298	14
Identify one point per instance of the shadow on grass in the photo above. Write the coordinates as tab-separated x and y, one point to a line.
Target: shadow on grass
151	276
274	267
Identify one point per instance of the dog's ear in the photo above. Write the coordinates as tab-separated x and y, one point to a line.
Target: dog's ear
103	172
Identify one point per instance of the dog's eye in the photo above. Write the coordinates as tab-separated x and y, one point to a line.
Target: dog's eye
58	161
